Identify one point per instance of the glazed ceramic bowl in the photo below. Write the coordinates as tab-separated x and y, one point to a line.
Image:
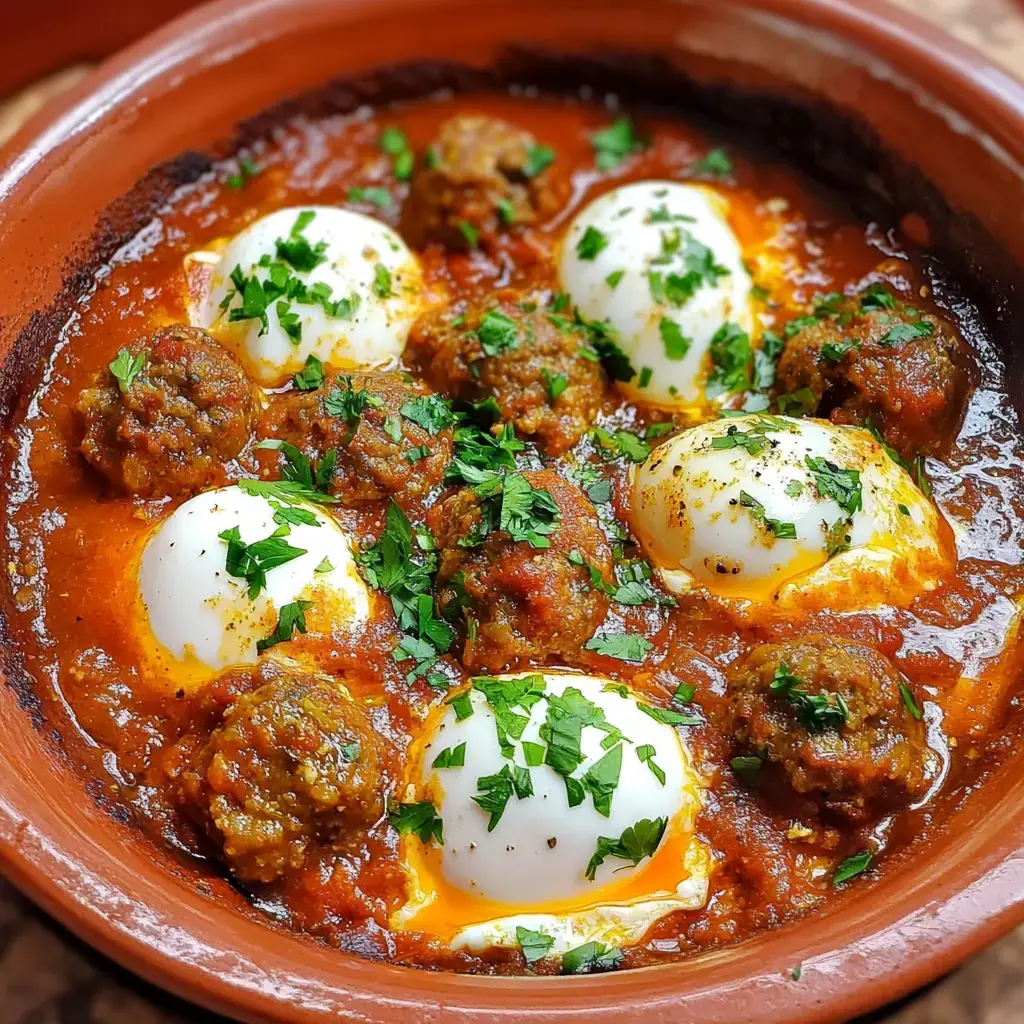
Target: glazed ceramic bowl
880	105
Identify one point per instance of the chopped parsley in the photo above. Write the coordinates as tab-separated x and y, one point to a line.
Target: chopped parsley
431	412
753	440
668	716
629	647
496	790
714	164
636	842
125	367
377	196
779	529
507	697
906	331
591	958
746	764
677	344
911	704
876	297
247	170
462	705
817	712
556	383
797	403
613	279
470	233
296	251
419	819
615	143
381	281
837	536
833	351
851	867
480	456
290	618
538	159
731	356
497	332
506	211
646	754
393	142
252	562
591	243
534	944
512	504
622	444
311	376
841	485
646	374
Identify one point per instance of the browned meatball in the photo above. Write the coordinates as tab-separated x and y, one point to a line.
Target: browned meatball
481	176
515	600
831	713
291	762
530	362
187	412
373	422
901	369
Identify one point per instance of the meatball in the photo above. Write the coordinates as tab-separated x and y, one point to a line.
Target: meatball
189	410
481	176
284	765
391	434
517	601
902	370
531	362
832	715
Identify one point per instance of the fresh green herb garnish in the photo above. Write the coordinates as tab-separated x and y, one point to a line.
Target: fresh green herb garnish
470	233
613	144
591	243
431	412
779	529
714	164
817	712
746	765
534	944
125	367
451	757
311	376
841	485
247	170
624	646
646	754
556	383
379	197
613	279
622	444
911	704
833	351
907	331
636	842
290	618
668	716
419	819
497	332
538	159
591	958
676	344
851	867
252	562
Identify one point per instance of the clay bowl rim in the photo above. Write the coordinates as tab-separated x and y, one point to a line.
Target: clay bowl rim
993	897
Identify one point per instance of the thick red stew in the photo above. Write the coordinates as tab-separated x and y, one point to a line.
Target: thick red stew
520	535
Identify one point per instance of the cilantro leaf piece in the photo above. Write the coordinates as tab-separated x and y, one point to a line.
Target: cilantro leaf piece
125	367
591	958
591	243
602	778
506	697
480	456
290	617
841	485
668	716
311	376
379	197
646	754
837	536
495	791
381	286
538	159
784	531
622	443
462	705
624	646
497	332
714	164
252	562
851	867
431	412
534	944
451	757
296	251
731	360
616	142
907	331
817	712
638	841
512	504
556	383
418	819
908	699
676	344
876	297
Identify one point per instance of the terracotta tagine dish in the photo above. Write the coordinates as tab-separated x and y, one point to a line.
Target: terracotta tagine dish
514	510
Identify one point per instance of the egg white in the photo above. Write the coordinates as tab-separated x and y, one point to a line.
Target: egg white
690	515
476	888
640	222
195	618
373	336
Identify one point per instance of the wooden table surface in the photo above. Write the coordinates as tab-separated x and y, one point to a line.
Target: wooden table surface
49	977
